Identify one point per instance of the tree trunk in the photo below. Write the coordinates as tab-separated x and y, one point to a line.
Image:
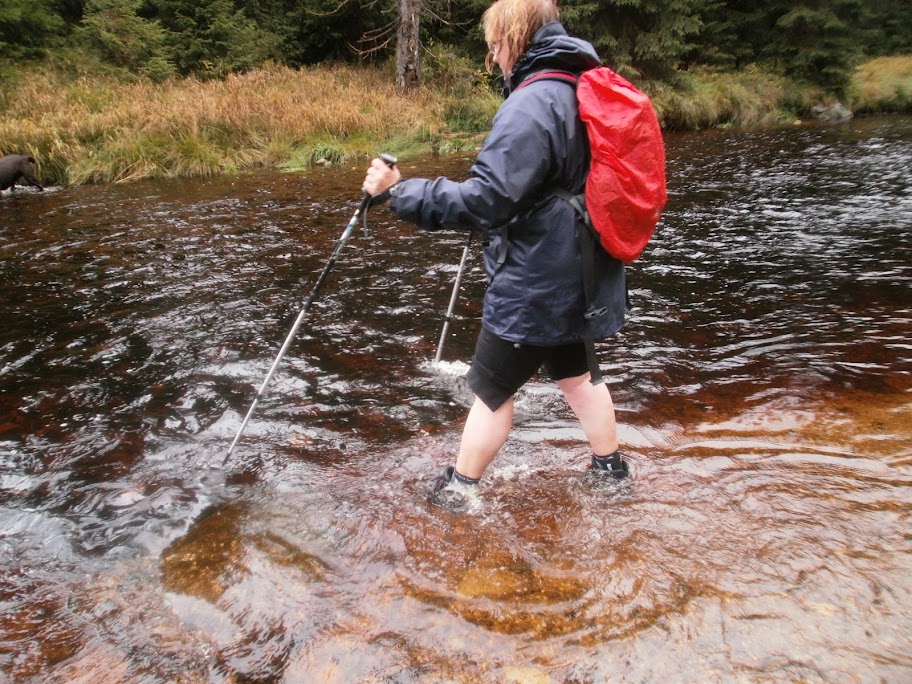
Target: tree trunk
408	69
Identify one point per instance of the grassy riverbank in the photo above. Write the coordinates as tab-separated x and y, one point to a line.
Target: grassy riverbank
89	129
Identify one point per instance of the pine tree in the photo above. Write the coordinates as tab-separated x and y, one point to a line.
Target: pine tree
28	26
887	27
113	29
212	39
647	37
313	31
817	41
732	35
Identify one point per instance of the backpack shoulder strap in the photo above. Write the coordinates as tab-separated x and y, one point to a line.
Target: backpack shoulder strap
578	202
563	76
587	243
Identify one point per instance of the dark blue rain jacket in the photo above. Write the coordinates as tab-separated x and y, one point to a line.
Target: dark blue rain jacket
537	141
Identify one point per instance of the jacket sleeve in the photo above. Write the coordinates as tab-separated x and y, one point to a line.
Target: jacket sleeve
514	164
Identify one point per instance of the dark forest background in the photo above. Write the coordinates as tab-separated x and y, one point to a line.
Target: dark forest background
818	42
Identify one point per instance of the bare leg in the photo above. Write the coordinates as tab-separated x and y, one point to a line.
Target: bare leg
484	433
593	407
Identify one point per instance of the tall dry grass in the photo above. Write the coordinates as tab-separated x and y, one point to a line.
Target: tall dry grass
705	99
883	84
103	130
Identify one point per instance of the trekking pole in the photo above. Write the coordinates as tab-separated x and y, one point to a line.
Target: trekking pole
449	313
391	161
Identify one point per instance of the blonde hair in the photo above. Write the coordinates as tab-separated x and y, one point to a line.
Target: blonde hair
513	23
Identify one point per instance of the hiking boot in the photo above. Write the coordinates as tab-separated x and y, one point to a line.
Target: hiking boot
612	465
450	493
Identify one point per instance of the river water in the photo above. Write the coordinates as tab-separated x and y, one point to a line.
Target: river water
763	392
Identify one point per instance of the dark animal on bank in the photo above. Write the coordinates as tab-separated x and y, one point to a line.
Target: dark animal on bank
16	166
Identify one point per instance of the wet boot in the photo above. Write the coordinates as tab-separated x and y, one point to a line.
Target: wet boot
612	464
451	490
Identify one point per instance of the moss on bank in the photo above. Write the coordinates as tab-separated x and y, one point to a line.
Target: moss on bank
90	129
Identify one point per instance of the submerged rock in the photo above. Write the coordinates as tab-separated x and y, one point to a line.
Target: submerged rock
207	559
834	113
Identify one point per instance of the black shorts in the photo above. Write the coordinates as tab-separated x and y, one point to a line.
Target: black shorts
500	368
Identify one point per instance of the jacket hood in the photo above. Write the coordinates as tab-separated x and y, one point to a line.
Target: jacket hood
553	49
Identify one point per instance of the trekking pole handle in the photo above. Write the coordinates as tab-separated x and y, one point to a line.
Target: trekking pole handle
390	160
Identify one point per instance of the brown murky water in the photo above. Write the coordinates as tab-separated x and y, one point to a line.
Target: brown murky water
763	385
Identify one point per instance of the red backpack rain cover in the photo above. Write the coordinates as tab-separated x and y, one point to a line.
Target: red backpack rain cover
625	190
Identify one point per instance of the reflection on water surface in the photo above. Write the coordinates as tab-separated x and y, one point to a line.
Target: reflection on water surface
762	384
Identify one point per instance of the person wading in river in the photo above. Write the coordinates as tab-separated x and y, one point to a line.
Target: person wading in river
534	303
